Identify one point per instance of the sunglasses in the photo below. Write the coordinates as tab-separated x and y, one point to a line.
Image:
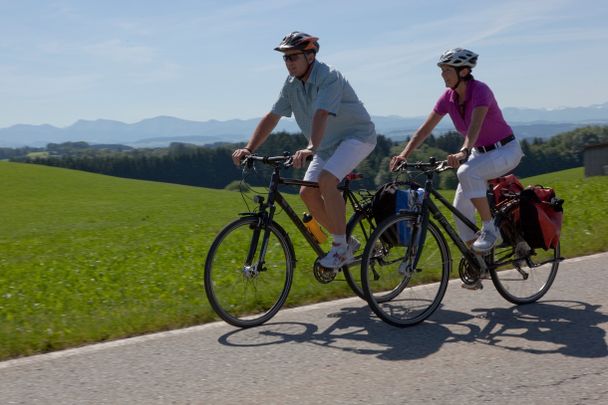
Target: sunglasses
293	57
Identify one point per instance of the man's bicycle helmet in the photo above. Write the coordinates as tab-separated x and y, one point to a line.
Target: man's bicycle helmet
299	41
458	57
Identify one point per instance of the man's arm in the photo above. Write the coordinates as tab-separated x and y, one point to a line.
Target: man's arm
319	123
260	134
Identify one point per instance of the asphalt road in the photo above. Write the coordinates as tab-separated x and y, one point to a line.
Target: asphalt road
476	348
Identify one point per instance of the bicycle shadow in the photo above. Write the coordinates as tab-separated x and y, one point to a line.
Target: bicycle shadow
571	328
355	331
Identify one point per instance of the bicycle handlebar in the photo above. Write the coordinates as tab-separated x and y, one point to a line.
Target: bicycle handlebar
286	160
432	165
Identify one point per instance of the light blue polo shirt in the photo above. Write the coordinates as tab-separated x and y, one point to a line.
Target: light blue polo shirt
326	89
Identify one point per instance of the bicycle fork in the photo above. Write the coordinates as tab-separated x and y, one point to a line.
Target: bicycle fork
253	267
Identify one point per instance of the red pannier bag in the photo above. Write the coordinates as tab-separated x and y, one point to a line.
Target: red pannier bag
541	216
504	188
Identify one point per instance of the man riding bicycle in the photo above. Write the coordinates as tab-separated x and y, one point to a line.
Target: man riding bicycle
339	130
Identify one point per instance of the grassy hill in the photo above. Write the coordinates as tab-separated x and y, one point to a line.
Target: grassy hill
86	257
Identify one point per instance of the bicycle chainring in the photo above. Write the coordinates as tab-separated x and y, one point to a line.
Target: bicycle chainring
468	274
323	274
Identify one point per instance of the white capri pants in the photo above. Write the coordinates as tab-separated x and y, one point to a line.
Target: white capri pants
473	179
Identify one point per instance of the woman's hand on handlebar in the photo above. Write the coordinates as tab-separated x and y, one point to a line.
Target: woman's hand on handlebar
396	162
301	157
457	159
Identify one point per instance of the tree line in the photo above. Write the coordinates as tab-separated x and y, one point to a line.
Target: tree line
211	165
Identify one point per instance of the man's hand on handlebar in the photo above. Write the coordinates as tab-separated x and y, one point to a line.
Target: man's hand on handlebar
301	157
239	154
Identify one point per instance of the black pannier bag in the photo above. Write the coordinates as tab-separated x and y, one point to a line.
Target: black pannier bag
541	216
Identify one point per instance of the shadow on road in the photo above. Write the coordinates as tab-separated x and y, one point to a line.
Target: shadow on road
570	326
566	327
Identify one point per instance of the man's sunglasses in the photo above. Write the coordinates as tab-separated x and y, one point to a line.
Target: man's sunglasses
293	57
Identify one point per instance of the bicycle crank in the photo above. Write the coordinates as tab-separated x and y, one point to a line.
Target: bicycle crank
322	274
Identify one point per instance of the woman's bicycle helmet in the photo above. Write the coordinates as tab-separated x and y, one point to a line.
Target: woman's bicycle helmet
458	57
300	41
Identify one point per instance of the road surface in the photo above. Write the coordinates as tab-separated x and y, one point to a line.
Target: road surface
476	348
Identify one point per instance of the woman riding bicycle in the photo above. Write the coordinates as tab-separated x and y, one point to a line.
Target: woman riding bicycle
489	149
339	130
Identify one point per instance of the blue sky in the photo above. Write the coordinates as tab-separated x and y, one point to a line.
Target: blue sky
129	60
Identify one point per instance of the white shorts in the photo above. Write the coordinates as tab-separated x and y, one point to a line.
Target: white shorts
347	156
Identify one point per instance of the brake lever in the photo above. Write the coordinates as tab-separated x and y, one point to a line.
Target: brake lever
247	164
443	166
400	167
288	162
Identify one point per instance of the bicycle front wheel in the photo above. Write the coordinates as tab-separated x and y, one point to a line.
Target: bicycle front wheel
415	274
361	227
240	290
531	278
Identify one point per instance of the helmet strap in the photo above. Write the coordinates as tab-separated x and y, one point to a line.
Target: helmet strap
457	83
458	70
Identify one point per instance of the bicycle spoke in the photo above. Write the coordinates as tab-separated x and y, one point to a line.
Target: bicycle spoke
416	282
241	291
525	281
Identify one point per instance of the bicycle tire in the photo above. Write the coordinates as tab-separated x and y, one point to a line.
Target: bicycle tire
426	284
361	227
529	284
237	293
358	227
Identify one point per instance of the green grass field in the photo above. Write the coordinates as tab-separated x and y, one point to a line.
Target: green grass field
87	258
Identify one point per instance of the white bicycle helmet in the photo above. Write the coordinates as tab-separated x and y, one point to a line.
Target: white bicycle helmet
458	57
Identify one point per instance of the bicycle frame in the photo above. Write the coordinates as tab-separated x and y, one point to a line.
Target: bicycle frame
267	211
429	207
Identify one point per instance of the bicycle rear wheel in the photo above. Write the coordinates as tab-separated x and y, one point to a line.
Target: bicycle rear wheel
361	227
239	292
415	275
530	280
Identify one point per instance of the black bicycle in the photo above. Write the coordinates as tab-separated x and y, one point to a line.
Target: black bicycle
410	245
250	264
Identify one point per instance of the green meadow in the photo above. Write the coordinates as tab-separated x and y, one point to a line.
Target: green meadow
86	258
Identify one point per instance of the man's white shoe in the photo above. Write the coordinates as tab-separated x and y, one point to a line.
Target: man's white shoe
337	257
353	245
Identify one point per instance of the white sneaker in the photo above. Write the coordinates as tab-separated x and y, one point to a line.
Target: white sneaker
337	257
475	286
353	245
487	239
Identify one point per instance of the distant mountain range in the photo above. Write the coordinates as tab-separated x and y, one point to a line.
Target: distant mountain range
161	131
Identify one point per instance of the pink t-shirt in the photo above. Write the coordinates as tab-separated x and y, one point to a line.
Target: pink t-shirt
494	127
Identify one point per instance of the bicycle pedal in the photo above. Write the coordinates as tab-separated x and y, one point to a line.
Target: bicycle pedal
473	286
